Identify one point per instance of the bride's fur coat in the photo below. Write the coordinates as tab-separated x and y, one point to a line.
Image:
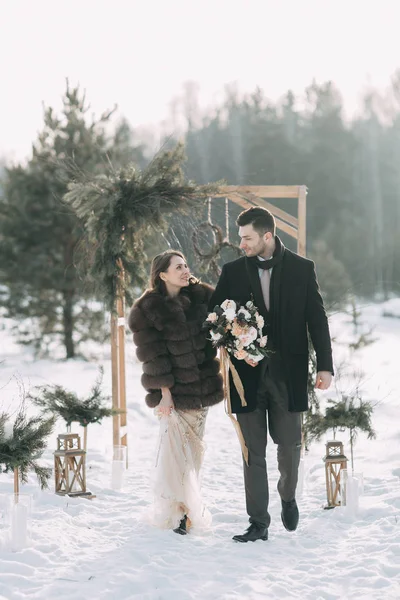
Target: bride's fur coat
174	349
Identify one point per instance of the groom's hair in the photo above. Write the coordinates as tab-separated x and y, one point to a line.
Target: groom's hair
261	219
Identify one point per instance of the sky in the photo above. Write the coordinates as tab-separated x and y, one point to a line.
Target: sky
138	54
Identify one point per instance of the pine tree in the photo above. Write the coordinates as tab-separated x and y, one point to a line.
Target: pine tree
40	233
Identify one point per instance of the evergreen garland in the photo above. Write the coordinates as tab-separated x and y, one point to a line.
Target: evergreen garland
343	414
27	443
118	209
56	400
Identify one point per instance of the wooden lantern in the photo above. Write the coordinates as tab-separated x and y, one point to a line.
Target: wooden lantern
70	466
335	462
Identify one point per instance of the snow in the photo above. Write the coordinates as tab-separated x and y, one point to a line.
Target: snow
103	549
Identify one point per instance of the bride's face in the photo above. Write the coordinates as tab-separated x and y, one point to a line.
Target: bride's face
178	273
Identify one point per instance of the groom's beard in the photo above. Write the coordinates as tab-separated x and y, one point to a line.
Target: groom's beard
262	250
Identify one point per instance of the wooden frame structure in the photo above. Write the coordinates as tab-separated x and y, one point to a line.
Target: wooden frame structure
245	196
118	378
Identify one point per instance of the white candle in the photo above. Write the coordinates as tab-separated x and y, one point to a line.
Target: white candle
360	476
19	527
352	495
117	474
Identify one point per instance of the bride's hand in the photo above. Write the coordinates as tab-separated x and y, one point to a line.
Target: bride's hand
166	404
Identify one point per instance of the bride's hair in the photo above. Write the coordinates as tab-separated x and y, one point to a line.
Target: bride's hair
160	264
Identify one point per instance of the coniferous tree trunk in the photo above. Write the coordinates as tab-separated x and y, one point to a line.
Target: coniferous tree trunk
68	321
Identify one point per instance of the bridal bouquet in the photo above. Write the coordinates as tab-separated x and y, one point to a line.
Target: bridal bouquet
238	329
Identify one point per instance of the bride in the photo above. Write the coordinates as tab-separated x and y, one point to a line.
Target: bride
181	377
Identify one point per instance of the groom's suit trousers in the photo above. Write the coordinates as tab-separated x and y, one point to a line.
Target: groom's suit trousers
285	430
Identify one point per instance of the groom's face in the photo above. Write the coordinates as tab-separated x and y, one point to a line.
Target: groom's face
252	242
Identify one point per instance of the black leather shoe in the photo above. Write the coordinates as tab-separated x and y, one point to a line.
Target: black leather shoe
290	515
255	532
182	526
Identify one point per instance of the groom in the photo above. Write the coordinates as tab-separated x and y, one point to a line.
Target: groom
284	288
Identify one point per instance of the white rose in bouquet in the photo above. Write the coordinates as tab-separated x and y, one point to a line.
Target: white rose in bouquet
230	314
212	317
228	305
215	336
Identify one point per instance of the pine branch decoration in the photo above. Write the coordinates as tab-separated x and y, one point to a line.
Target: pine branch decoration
341	415
56	400
25	446
118	210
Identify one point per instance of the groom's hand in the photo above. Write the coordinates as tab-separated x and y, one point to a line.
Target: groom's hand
324	380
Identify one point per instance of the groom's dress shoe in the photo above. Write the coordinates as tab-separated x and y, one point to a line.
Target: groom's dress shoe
255	532
290	515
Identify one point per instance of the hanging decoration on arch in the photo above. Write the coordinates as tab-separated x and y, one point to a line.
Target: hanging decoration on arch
208	258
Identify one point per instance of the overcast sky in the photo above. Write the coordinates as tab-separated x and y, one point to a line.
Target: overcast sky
138	53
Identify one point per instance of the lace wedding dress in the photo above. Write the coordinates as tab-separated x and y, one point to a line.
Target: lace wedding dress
176	480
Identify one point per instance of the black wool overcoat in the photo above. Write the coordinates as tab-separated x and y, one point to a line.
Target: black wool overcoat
300	310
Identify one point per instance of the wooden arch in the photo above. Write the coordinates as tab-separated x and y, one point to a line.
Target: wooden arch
245	196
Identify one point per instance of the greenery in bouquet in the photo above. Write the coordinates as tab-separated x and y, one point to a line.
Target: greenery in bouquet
238	329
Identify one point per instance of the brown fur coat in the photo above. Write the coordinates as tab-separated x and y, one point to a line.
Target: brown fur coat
174	349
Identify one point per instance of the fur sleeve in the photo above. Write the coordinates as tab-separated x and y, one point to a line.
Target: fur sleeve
151	350
136	320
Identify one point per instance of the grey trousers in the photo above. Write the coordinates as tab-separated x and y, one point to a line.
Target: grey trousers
285	430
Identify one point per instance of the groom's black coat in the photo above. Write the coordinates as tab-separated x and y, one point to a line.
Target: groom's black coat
300	308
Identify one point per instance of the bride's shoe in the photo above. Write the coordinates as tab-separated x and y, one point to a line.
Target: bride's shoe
183	526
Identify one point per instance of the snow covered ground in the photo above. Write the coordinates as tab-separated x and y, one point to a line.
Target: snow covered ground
102	549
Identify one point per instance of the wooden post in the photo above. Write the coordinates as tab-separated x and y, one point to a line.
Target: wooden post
85	438
121	374
302	225
16	485
115	377
301	250
120	436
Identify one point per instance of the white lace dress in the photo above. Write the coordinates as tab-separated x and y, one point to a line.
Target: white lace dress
176	481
